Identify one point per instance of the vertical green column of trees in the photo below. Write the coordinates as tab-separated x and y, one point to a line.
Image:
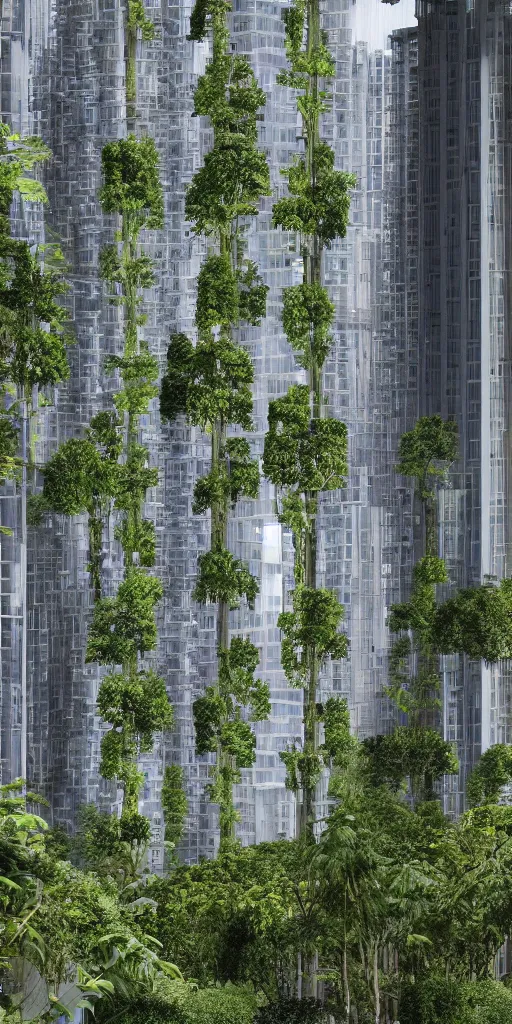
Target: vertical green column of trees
418	751
211	383
136	21
33	332
477	622
424	453
108	471
32	353
133	701
305	451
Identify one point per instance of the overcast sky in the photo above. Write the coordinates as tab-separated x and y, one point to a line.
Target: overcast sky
373	21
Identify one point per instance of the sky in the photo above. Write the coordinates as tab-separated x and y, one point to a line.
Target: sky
373	21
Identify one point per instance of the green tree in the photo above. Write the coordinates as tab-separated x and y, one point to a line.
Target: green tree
476	622
33	331
211	383
108	471
137	25
414	682
305	452
133	701
411	752
234	918
83	476
470	908
174	804
427	450
434	1000
492	772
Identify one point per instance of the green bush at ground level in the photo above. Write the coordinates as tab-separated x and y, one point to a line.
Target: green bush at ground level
220	1006
438	1000
146	1010
178	1003
490	1003
292	1011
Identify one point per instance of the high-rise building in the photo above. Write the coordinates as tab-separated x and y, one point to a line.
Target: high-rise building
422	294
464	60
449	223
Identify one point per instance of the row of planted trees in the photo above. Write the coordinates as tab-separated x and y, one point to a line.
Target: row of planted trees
107	473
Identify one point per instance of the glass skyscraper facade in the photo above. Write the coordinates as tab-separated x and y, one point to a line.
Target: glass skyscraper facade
421	114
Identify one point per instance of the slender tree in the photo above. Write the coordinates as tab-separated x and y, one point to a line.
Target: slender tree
477	621
424	454
33	332
417	751
137	25
134	701
211	383
32	350
305	451
108	471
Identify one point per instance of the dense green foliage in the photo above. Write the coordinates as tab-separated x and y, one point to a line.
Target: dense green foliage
427	449
33	324
309	455
210	382
411	752
292	1011
440	1000
174	804
381	878
317	209
60	920
490	775
305	452
83	475
131	183
178	1003
477	622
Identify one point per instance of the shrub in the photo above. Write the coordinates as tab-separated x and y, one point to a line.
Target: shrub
148	1010
176	1003
433	1001
229	1005
292	1011
490	1003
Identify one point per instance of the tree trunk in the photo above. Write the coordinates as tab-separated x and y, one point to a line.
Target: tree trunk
23	573
376	987
346	985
